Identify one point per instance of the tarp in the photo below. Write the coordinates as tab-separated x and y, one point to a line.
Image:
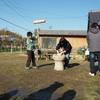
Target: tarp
94	16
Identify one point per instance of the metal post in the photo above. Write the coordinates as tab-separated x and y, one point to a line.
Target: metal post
11	47
20	48
37	33
37	28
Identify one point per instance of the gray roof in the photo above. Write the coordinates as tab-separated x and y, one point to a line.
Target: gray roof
63	32
94	16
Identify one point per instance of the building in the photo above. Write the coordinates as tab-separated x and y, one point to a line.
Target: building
77	38
50	38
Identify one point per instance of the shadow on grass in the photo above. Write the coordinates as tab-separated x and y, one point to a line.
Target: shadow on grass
69	95
44	94
96	69
8	95
46	64
73	65
70	65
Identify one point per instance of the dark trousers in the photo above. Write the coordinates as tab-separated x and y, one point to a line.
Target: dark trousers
30	58
67	59
93	56
66	62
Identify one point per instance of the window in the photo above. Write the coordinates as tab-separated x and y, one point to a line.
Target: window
49	43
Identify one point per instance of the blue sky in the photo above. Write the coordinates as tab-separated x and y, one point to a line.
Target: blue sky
59	14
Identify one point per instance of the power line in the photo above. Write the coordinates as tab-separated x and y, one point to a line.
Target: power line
14	24
35	17
40	17
21	7
14	10
52	14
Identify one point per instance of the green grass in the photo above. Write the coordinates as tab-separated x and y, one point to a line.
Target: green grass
14	75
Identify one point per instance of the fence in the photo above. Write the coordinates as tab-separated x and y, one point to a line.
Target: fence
11	48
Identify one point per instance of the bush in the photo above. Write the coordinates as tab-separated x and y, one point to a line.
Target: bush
79	50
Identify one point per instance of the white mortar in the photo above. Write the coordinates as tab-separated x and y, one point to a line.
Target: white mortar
59	62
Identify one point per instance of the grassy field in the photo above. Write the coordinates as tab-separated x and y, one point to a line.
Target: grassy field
46	83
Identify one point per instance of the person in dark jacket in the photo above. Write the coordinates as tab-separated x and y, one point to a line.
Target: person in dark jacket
64	47
93	40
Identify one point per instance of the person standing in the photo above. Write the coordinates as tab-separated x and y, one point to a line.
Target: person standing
93	40
30	50
64	47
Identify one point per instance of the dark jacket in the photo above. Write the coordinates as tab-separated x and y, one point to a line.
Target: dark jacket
65	44
93	40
